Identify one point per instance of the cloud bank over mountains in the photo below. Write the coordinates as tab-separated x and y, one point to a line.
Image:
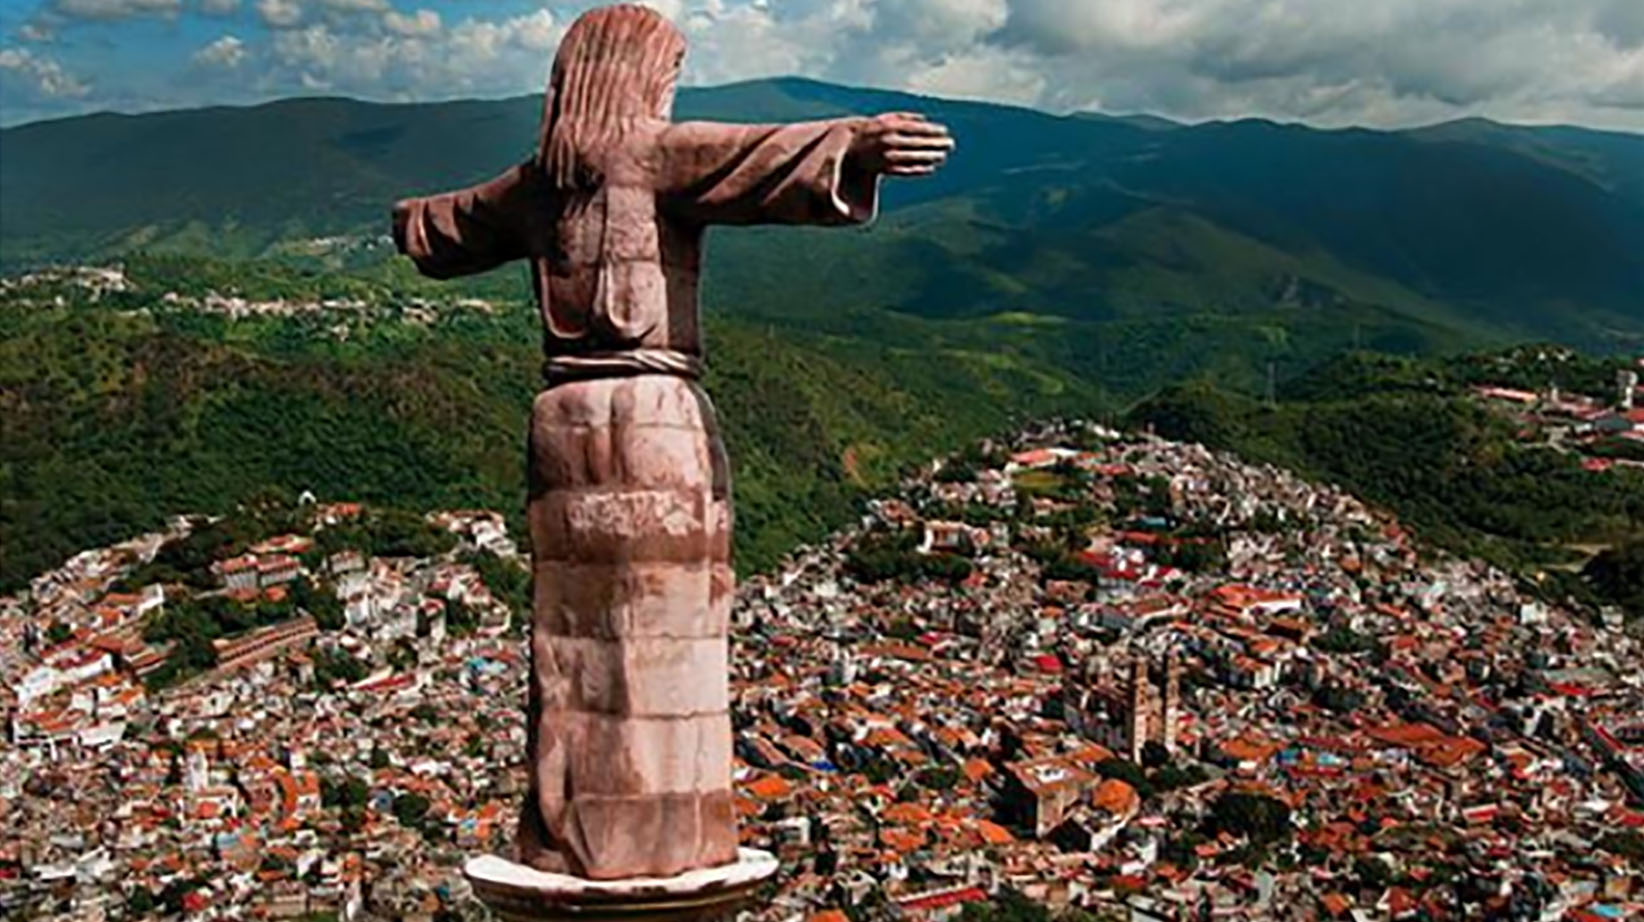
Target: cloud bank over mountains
1327	62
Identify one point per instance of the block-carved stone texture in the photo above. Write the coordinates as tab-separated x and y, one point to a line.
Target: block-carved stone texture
629	494
630	515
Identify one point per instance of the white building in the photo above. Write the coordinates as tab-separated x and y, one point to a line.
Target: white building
38	682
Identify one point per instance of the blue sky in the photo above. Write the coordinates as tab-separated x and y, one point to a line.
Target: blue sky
1327	62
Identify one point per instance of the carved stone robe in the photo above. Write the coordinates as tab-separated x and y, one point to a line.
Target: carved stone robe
629	490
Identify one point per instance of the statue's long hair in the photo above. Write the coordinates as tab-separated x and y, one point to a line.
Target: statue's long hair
616	65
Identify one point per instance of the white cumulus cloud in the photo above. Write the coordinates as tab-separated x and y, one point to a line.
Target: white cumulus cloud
40	74
1382	63
279	14
1377	62
226	52
415	56
421	24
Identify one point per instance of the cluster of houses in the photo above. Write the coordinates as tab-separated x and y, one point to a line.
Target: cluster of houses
1578	422
1419	720
71	284
208	794
1319	720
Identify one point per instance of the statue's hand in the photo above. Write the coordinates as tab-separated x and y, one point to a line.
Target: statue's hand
900	144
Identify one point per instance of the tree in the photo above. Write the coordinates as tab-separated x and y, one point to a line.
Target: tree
350	792
353	819
1338	698
400	533
320	601
1074	914
1264	819
883	555
1193	556
509	582
1628	844
1009	905
58	632
139	903
410	809
956	471
1068	568
880	771
1372	873
1128	772
403	656
172	896
191	655
1154	754
894	555
333	665
1617	574
938	777
460	620
1344	640
949	567
1180	850
902	628
1170	777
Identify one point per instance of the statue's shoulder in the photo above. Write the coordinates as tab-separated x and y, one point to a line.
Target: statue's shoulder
642	140
690	130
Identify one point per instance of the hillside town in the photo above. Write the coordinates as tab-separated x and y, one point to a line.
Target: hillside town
1602	424
61	286
1105	674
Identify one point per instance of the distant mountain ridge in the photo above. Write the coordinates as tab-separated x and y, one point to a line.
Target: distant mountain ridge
1485	231
1059	265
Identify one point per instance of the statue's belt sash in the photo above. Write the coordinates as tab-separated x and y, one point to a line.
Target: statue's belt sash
621	363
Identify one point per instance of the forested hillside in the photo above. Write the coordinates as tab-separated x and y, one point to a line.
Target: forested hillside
1059	263
1482	229
123	411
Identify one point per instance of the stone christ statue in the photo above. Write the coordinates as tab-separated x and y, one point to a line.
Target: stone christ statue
629	491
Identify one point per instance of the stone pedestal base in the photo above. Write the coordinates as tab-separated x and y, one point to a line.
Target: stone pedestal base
517	893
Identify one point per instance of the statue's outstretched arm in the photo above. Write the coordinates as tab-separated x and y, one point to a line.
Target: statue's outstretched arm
470	230
806	173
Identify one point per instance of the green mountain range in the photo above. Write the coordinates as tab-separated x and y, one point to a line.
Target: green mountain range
1472	227
1059	264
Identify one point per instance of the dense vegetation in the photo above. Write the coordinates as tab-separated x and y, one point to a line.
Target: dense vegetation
1262	818
1403	433
121	413
1617	576
882	556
